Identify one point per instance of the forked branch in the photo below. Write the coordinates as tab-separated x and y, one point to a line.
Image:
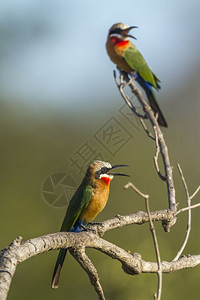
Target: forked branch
132	264
159	139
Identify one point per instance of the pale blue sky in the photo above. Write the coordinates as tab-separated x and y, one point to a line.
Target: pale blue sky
53	52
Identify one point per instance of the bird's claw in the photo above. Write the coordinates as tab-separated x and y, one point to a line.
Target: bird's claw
83	227
90	230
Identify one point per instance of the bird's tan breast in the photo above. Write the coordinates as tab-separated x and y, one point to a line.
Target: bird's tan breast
97	203
116	54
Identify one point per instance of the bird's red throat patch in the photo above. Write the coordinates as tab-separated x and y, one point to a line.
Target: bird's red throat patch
106	179
119	43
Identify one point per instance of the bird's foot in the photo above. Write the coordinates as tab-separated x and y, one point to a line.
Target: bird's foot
83	228
88	229
95	223
128	83
123	77
127	79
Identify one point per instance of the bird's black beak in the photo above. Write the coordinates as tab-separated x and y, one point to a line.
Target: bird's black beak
132	27
126	31
118	174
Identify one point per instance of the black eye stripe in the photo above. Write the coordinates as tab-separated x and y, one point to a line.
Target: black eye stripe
103	170
117	30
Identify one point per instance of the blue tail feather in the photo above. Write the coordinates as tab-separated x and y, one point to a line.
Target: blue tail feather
78	226
152	99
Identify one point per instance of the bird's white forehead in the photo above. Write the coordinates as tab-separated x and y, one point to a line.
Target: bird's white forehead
102	164
119	25
123	26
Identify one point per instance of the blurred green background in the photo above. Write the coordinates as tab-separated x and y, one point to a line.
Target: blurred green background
59	105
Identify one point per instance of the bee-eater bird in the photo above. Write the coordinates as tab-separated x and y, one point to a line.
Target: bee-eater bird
127	58
87	202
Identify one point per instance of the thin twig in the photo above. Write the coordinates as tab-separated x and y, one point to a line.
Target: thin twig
126	98
130	184
146	129
189	215
155	241
187	208
155	158
121	86
154	236
195	192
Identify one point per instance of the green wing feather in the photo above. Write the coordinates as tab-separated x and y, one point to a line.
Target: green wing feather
77	204
137	62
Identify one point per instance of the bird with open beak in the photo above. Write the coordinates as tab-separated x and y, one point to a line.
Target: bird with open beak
87	202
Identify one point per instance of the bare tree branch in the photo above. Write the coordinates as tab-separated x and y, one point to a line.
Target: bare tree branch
163	147
77	242
157	155
8	262
136	218
153	232
87	265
